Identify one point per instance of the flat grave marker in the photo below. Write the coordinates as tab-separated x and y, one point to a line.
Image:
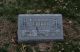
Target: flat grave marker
40	27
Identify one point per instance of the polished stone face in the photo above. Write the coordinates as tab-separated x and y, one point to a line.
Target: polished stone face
39	27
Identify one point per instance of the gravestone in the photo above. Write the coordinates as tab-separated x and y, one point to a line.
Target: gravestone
40	27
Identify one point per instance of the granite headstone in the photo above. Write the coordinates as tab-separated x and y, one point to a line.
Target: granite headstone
40	27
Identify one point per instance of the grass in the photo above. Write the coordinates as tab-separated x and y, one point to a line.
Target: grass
3	50
70	9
